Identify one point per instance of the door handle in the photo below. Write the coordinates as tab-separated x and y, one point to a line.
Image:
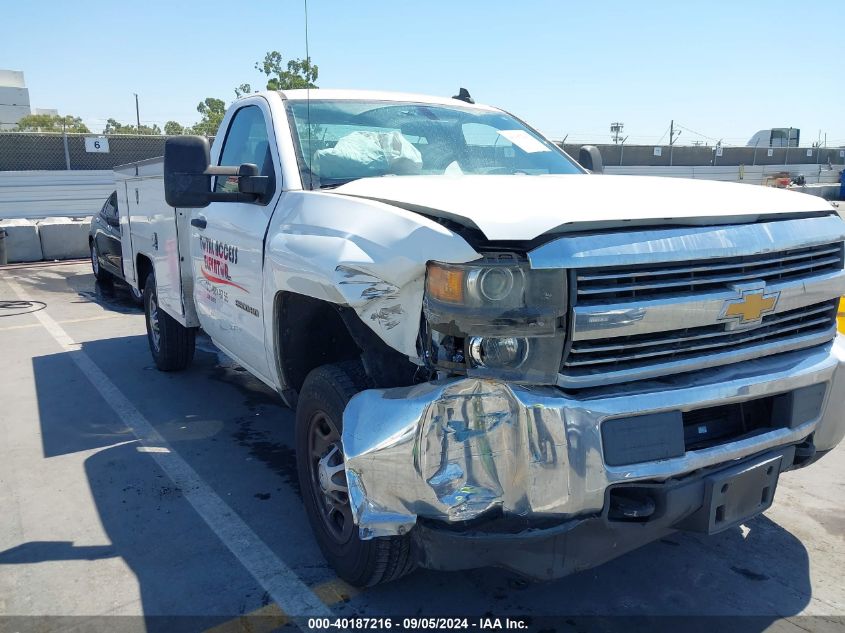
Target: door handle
199	222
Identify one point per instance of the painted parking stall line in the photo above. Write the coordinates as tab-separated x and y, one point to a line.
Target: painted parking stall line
285	588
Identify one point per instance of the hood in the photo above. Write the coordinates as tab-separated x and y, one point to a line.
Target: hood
525	207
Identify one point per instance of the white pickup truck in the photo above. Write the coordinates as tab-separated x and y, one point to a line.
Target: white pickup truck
496	357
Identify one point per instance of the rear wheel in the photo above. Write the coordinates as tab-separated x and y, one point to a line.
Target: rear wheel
137	295
171	343
99	274
322	479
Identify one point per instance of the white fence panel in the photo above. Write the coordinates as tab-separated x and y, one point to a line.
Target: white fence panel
756	175
40	194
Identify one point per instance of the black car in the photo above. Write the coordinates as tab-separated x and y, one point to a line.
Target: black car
104	242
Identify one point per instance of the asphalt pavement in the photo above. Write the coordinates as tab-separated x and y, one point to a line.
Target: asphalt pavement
148	500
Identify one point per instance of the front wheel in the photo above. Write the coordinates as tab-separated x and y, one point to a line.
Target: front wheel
322	479
171	343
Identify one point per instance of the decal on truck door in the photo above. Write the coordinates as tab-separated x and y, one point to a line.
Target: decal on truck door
218	257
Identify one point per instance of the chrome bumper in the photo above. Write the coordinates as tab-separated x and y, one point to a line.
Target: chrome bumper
455	449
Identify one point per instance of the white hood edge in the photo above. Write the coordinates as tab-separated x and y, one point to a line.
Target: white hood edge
525	207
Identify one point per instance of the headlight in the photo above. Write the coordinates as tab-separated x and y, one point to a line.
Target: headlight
494	298
497	318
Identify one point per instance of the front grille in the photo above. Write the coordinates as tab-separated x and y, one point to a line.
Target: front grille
654	281
712	426
623	353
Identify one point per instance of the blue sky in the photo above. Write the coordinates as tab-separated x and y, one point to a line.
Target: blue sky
723	69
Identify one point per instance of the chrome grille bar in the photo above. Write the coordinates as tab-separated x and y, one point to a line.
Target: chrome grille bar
708	267
657	280
588	346
674	345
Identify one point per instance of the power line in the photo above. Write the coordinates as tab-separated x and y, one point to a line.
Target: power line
709	138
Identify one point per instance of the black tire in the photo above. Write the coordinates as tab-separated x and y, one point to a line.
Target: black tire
324	395
104	277
136	295
171	343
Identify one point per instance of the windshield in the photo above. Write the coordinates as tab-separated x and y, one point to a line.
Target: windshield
347	140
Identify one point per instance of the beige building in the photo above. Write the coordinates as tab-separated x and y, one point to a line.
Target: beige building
14	98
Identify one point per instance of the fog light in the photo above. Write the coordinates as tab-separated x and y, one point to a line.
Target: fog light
507	353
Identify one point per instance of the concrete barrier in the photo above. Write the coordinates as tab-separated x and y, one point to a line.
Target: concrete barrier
828	192
22	241
64	238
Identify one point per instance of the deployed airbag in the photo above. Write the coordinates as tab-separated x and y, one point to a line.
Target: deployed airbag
362	154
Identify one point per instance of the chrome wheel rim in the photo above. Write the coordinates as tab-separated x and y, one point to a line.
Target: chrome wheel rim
328	477
95	262
155	333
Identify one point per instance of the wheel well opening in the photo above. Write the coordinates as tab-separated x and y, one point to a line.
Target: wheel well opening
310	333
143	267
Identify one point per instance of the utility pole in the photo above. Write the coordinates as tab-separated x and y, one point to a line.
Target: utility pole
137	113
672	138
616	130
67	151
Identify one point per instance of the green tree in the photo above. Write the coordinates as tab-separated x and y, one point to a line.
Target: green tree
172	128
212	111
298	73
52	123
115	127
243	89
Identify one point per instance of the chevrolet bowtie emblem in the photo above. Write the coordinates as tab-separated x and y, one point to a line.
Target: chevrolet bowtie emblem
750	308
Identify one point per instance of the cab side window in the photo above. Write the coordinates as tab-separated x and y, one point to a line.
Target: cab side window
246	142
109	210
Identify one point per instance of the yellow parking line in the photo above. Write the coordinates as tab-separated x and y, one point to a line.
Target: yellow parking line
334	591
271	617
261	620
94	318
840	316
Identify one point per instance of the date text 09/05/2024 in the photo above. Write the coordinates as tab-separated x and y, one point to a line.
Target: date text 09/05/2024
417	623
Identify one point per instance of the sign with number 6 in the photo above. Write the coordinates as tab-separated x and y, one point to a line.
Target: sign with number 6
97	144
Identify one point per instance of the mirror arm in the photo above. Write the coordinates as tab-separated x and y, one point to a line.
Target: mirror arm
219	196
247	169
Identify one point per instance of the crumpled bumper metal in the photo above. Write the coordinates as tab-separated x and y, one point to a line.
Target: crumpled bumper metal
453	450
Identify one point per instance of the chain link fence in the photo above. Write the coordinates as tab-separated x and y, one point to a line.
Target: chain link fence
689	156
24	151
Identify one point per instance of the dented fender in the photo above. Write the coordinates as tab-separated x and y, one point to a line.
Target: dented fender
359	253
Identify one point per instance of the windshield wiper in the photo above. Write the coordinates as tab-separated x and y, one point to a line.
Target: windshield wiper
336	183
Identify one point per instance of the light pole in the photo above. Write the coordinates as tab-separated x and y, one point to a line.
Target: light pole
616	130
137	113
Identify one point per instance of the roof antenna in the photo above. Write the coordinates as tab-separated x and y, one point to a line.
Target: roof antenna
463	95
308	102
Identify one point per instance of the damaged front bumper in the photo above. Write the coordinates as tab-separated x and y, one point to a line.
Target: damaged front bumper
460	450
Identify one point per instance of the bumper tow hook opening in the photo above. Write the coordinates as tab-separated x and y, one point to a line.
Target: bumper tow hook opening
630	505
805	453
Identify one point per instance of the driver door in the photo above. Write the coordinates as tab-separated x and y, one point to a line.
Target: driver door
227	242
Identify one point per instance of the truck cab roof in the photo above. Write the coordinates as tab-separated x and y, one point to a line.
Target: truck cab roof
377	95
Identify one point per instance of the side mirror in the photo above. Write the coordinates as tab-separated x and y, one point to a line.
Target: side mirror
589	158
187	176
186	160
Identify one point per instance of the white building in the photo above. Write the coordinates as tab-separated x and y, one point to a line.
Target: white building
14	99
